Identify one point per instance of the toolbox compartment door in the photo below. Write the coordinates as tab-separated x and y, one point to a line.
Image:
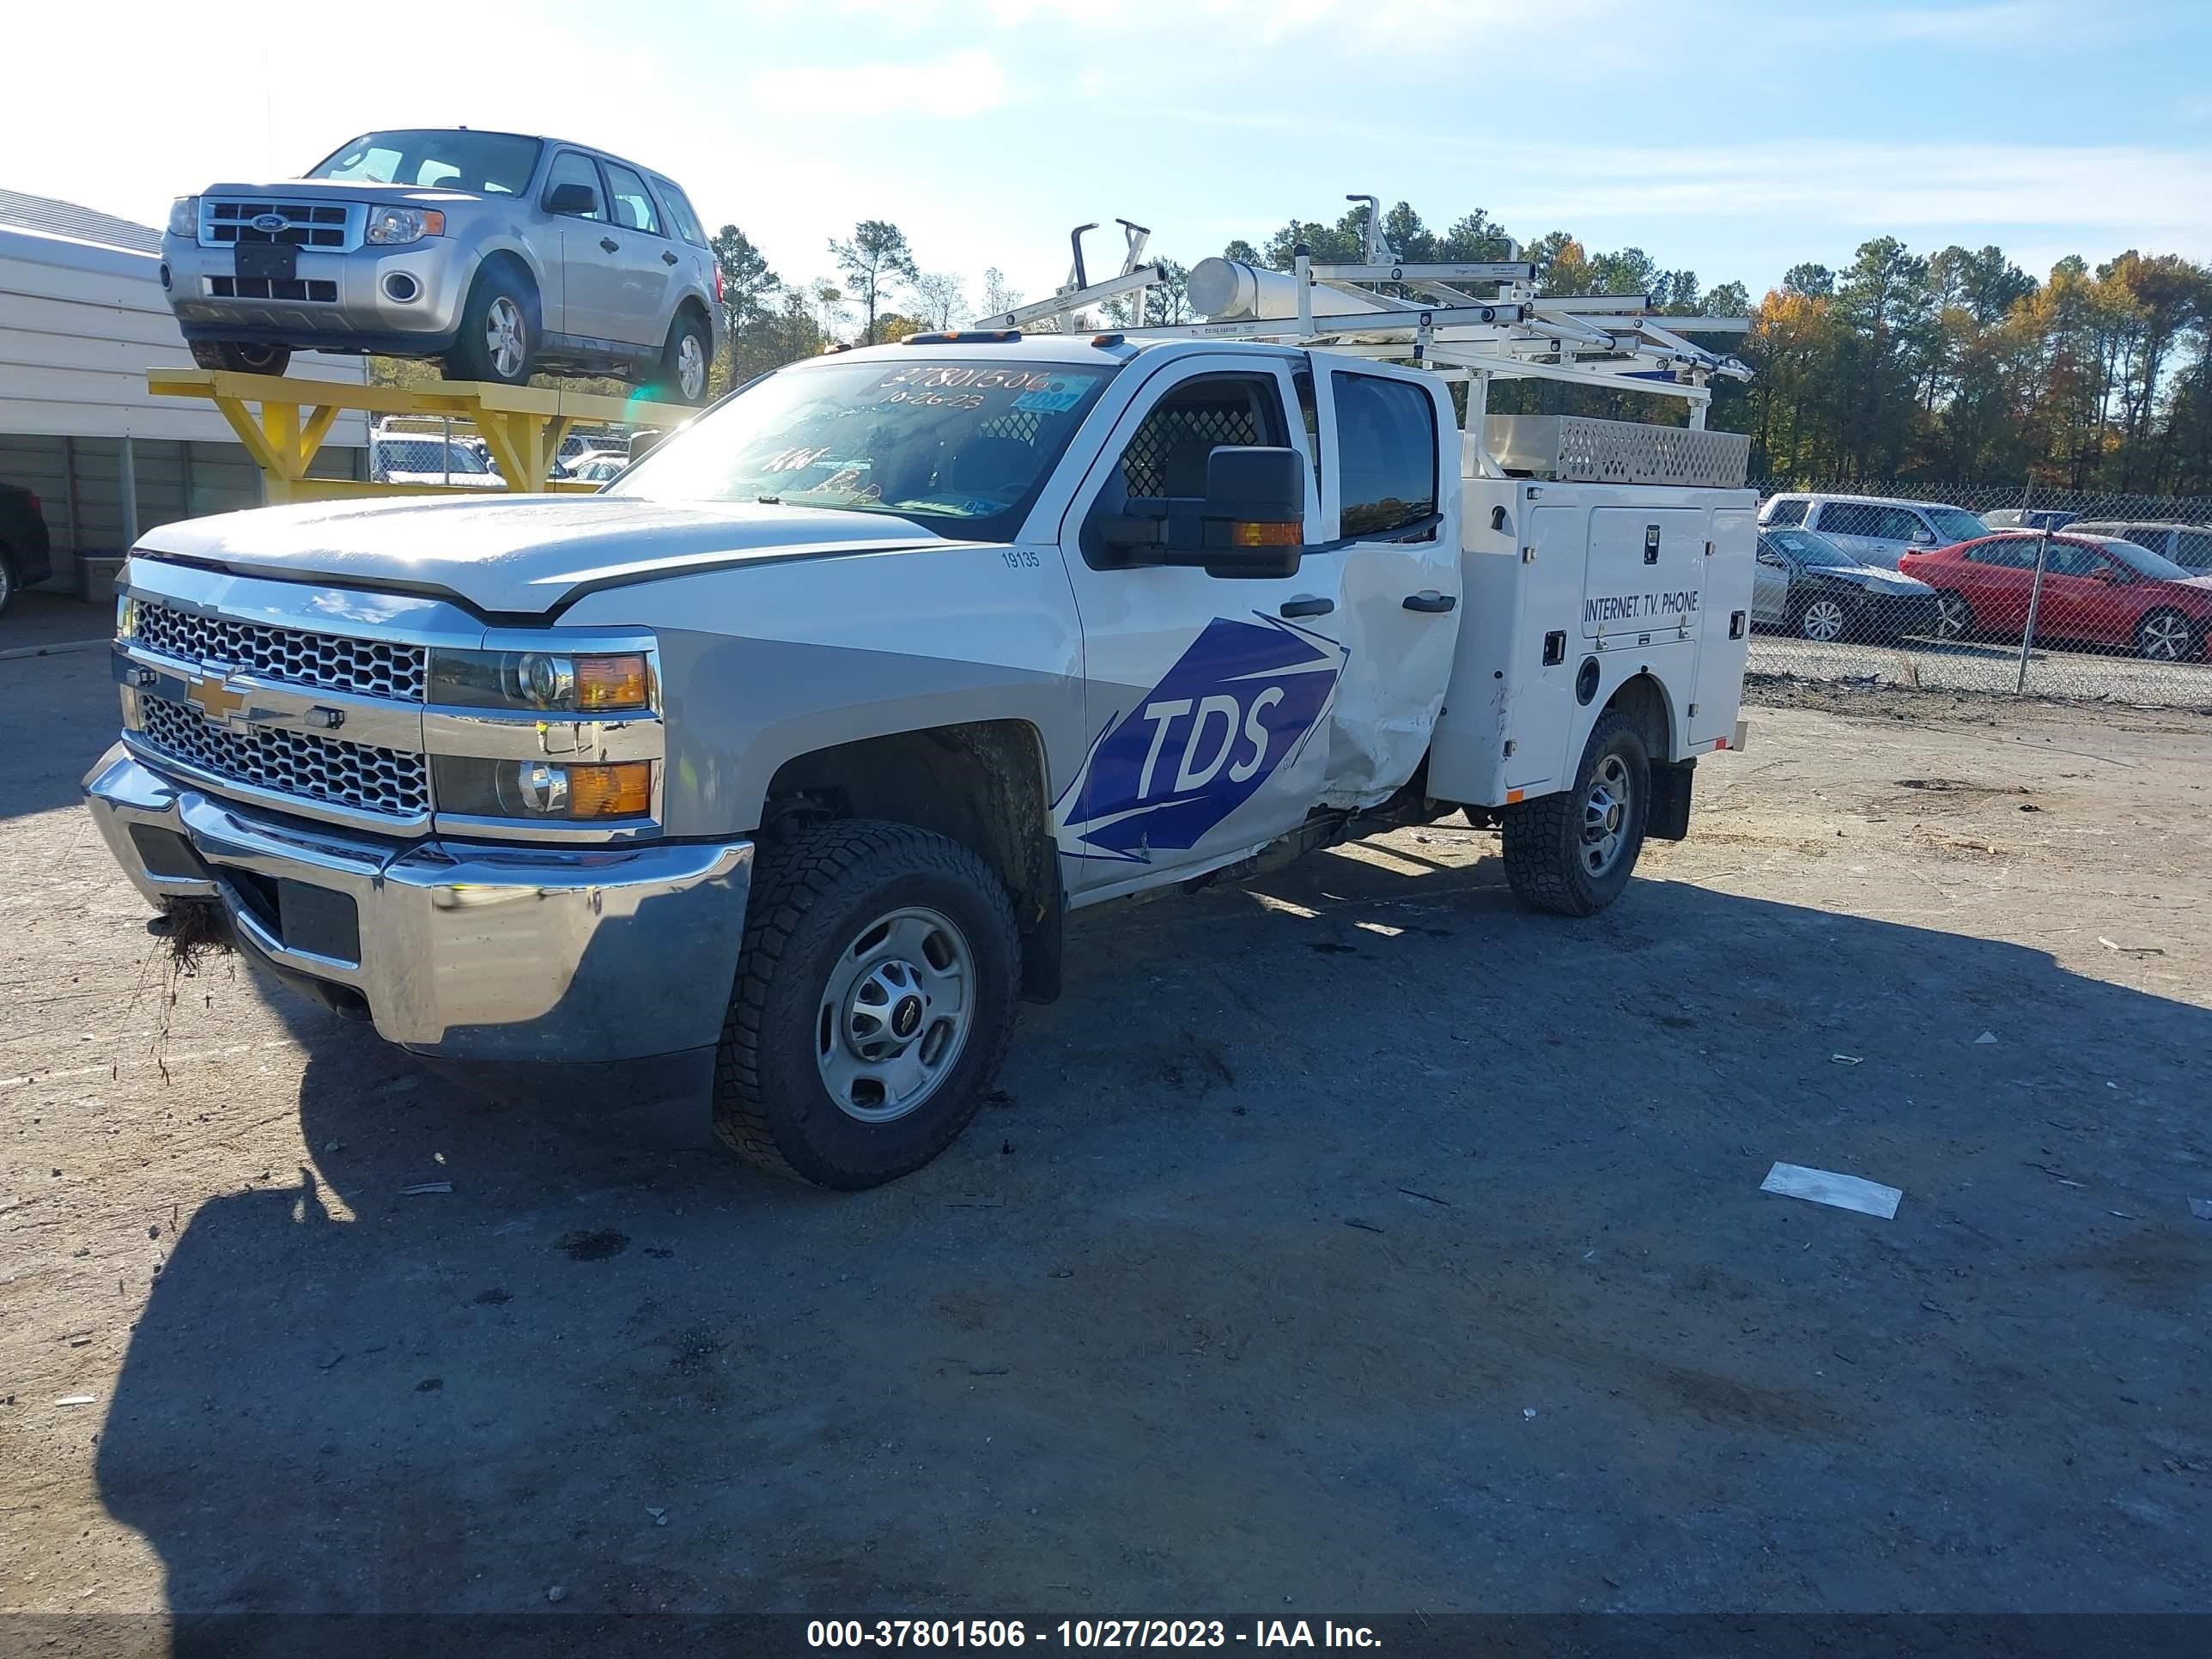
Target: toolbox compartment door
1646	576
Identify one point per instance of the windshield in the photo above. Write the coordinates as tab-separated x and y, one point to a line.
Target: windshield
2144	562
1811	549
1955	523
488	163
961	447
426	455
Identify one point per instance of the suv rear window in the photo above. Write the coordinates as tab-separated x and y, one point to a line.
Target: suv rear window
680	214
1785	511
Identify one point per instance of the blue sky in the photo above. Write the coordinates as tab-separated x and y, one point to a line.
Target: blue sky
1733	139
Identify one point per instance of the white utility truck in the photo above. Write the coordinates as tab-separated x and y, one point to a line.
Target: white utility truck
764	780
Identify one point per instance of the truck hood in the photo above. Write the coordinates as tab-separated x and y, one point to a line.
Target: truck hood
517	554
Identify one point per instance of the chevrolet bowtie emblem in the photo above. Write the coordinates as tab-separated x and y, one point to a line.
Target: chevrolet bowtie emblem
215	699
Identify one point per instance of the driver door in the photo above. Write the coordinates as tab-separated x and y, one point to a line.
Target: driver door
1206	697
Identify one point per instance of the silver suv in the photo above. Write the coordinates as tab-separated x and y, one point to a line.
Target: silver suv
2186	545
1877	528
502	255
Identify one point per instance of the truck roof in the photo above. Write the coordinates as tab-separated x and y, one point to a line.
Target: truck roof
1106	348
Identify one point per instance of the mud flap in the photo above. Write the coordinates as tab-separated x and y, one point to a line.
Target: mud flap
1669	818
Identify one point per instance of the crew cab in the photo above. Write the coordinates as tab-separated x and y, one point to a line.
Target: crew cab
768	776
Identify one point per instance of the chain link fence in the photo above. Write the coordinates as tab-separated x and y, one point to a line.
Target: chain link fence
2035	592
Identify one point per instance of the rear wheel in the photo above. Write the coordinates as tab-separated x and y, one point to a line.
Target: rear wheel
240	357
874	1001
2166	637
499	337
1955	617
685	362
1572	853
6	581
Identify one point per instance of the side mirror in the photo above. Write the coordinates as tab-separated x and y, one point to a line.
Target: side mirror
1250	524
1921	538
1765	557
572	200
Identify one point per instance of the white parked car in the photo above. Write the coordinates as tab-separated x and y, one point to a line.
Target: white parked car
420	459
1879	529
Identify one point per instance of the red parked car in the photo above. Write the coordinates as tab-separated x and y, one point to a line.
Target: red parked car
2097	590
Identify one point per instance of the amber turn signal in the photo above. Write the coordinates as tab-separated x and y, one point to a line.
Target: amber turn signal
1287	534
621	789
609	683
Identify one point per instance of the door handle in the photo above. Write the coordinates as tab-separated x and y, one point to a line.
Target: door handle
667	259
1305	605
1428	599
610	244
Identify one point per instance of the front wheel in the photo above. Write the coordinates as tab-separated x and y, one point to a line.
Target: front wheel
498	340
2166	637
241	358
1824	620
874	1001
1572	853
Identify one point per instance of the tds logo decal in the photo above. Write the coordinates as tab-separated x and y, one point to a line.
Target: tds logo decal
1236	705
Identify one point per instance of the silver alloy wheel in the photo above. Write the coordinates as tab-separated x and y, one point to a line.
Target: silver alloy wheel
895	1017
1952	618
690	365
506	336
7	582
1823	620
1605	815
2165	637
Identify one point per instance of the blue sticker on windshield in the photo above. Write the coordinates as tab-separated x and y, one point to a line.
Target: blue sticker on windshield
1058	400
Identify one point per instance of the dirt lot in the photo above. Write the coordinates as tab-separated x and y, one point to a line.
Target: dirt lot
1348	1242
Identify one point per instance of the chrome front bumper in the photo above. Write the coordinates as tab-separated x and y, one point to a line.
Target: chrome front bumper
464	952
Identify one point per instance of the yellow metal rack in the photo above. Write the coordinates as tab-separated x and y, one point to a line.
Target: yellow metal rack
282	422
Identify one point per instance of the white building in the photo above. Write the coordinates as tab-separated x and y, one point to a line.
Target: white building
82	317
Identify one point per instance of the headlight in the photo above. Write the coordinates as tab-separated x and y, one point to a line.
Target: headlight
537	789
394	225
126	617
550	681
185	216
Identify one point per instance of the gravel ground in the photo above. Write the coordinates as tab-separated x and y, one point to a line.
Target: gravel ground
1343	1242
2053	671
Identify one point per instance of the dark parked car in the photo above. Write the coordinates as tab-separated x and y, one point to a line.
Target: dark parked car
26	550
2097	590
1810	584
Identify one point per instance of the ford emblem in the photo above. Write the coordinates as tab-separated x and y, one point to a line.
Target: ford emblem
270	223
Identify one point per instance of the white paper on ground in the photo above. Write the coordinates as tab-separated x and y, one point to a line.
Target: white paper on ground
1825	1186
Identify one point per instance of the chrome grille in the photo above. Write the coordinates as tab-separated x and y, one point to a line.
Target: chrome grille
359	775
329	662
306	224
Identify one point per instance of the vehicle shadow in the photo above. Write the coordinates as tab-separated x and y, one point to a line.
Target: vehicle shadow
1344	1242
65	709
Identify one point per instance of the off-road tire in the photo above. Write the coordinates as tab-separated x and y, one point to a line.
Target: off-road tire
241	359
668	383
811	894
470	357
1543	838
